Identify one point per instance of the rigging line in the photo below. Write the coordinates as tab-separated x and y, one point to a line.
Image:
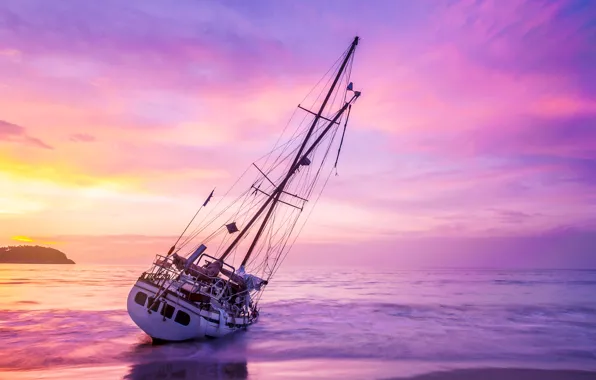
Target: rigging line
303	178
285	242
349	74
218	202
342	139
234	217
295	164
227	192
333	102
301	228
252	206
306	96
298	127
198	229
271	234
285	237
316	180
309	167
273	230
318	96
270	246
289	233
339	59
233	256
254	200
291	139
243	220
222	242
208	238
267	269
267	232
307	173
212	235
193	218
280	136
318	129
324	159
279	159
287	221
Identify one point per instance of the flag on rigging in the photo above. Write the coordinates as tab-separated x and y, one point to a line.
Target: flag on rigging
208	198
232	227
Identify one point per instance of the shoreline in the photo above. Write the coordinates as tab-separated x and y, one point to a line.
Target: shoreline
304	369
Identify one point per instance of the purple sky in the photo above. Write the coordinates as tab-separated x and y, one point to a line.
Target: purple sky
476	131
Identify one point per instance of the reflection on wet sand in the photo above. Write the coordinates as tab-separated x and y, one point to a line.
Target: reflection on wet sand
190	360
187	370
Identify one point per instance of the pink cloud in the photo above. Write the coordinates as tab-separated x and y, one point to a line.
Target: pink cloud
15	133
468	107
82	137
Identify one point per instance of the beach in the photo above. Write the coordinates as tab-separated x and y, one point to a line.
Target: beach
67	322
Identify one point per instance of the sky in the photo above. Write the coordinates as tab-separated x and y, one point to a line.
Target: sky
473	144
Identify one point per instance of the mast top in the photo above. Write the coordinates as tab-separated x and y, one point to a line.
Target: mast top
274	197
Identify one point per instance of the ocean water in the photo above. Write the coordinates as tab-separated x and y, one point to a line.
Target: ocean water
70	321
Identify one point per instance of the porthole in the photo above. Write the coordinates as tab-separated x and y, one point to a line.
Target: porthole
141	298
167	311
182	318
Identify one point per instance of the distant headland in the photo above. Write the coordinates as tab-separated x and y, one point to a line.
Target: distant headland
32	254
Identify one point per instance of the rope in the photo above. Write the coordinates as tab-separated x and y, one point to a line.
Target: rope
342	139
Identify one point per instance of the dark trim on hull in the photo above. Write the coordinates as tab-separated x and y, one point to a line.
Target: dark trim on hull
189	307
161	342
180	304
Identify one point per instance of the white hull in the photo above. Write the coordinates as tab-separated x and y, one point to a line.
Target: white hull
194	293
200	324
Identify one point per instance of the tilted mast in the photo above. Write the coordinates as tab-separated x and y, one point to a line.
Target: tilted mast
275	195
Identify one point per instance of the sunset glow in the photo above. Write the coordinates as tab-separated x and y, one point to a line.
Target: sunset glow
477	120
22	238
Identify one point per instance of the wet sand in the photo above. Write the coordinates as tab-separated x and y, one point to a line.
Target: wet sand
504	374
307	369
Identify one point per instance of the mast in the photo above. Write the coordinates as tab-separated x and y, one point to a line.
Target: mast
275	195
293	170
298	155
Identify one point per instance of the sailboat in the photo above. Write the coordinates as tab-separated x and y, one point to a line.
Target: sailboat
210	282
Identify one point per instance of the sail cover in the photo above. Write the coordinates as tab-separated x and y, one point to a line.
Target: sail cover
252	282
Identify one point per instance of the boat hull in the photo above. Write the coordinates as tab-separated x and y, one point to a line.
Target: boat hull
172	327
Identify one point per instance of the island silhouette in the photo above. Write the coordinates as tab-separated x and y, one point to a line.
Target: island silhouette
32	254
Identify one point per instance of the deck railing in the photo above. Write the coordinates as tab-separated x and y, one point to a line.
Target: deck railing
164	270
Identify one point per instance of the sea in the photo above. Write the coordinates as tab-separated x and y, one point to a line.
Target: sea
70	322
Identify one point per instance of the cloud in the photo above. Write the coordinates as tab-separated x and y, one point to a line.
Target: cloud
515	217
15	133
111	42
476	116
571	136
536	250
81	137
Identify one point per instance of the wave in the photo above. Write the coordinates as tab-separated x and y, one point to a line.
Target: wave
424	316
545	282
